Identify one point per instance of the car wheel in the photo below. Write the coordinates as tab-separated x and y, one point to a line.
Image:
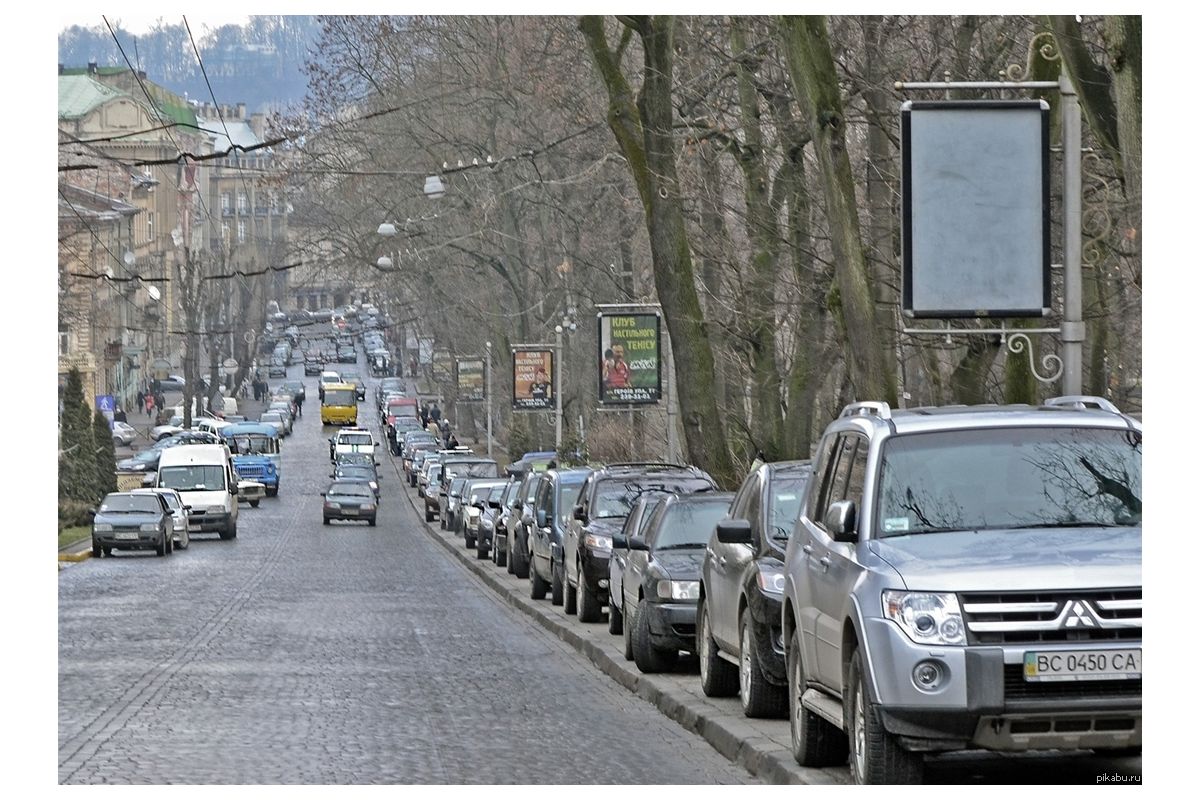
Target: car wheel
649	659
481	549
510	562
589	602
326	520
185	539
371	522
230	532
556	585
106	550
170	542
615	618
254	503
500	556
469	539
428	514
520	564
97	550
118	442
718	678
569	594
760	697
876	756
815	742
160	549
537	586
272	491
629	621
442	521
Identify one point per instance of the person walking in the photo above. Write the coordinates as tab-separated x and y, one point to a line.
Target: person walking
141	400
299	401
435	413
150	406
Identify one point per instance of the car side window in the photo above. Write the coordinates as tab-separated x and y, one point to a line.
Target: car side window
753	508
820	497
857	475
737	508
586	493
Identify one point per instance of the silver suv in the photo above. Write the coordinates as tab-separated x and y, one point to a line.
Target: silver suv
966	577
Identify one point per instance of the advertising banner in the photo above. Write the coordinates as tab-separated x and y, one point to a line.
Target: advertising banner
470	379
630	368
533	380
443	366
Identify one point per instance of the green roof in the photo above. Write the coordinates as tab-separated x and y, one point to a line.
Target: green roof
99	70
78	95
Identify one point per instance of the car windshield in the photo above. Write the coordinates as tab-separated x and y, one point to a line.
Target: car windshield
350	490
340	397
356	473
787	493
497	493
355	438
479	493
247	443
194	478
1010	478
456	486
130	504
689	523
615	497
365	459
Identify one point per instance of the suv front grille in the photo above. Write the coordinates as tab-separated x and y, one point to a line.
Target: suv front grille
1017	688
1060	616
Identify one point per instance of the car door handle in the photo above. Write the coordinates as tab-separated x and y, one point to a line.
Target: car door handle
721	560
807	549
825	562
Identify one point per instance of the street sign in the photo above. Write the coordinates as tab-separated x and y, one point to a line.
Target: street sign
231	363
533	380
106	404
470	379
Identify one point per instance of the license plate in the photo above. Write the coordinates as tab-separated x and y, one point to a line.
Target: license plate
1083	665
124	536
349	510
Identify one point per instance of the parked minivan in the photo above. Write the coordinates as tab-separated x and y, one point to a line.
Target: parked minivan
204	477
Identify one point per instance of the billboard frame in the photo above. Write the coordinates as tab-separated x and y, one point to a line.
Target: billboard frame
658	390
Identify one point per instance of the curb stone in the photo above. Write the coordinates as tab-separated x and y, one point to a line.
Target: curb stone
729	735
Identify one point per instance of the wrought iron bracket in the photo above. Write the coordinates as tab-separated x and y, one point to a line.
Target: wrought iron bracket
1016	340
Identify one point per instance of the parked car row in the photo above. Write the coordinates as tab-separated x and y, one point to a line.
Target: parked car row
935	580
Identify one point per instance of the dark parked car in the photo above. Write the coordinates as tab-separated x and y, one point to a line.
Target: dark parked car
635	525
145	461
360	386
432	476
662	577
349	500
346	354
519	525
411	443
603	505
278	368
510	507
313	364
127	521
554	500
741	591
388	385
449	499
461	466
294	388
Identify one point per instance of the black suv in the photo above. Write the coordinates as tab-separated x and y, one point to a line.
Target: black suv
741	591
604	503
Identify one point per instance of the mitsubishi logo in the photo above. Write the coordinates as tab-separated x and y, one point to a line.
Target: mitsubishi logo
1079	615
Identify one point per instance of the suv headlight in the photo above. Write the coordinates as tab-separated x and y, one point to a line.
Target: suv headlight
598	542
679	590
102	527
149	527
927	617
770	580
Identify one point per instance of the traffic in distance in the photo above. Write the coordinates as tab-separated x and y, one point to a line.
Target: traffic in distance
934	580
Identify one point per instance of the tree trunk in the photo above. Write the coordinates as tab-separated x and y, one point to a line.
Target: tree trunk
644	134
814	77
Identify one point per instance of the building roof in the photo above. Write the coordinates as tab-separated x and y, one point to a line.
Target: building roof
75	202
167	103
79	95
240	132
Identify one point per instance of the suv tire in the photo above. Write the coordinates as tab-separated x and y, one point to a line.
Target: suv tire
718	678
649	659
97	550
875	755
616	621
556	585
629	621
589	602
537	586
428	514
481	549
230	532
815	742
468	539
569	594
760	697
499	556
160	549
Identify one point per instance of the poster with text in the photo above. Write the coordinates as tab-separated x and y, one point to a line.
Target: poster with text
470	379
533	380
629	364
443	366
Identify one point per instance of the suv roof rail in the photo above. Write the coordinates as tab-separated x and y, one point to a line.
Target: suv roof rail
874	408
1082	401
637	464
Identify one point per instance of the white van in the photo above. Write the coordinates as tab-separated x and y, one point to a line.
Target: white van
203	475
228	405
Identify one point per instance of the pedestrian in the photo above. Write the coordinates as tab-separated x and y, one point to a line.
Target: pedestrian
244	388
435	413
424	414
412	367
299	401
160	401
452	442
141	400
432	427
150	406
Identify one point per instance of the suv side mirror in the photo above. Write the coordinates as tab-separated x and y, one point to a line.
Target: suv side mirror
637	543
733	531
541	517
619	540
233	489
580	514
841	520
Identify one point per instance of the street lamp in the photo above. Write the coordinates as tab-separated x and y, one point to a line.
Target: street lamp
558	371
489	397
434	188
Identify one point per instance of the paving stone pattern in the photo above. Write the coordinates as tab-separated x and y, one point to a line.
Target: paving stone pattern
300	653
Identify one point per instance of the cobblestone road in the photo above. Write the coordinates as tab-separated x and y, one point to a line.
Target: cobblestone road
299	653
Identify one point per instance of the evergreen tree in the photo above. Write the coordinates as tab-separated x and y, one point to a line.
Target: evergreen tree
76	445
106	455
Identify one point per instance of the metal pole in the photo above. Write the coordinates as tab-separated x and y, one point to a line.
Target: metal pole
1072	326
488	367
558	404
672	438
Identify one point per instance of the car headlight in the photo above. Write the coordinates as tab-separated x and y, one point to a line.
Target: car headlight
598	542
679	590
472	512
373	485
333	505
102	527
149	527
770	580
927	617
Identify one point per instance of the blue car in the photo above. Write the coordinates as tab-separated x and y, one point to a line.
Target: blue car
255	450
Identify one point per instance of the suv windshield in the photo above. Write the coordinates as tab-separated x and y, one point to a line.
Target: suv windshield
689	523
1010	478
205	478
615	497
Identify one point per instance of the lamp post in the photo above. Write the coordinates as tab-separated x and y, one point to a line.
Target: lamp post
558	404
488	390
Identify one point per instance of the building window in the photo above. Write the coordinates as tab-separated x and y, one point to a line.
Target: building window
225	202
241	202
64	339
241	231
225	232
